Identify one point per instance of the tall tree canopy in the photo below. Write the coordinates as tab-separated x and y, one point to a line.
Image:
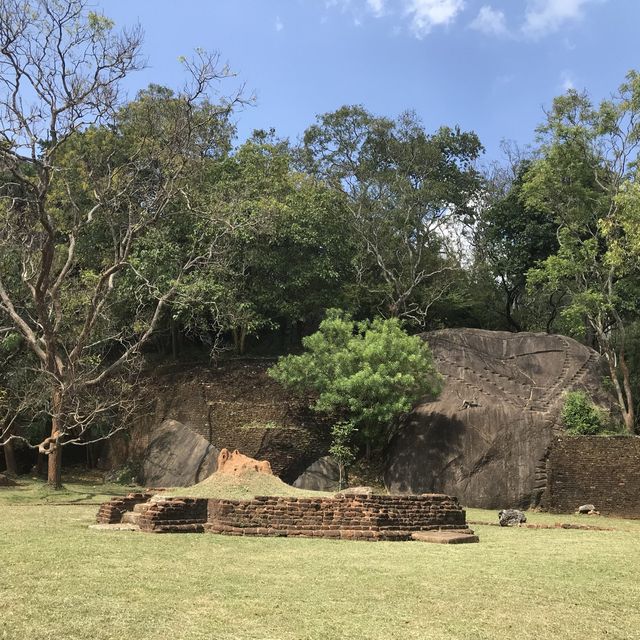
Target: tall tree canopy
406	191
584	178
511	238
90	192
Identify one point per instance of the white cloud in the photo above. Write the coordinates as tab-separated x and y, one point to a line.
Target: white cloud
567	81
427	14
376	7
545	16
490	21
279	24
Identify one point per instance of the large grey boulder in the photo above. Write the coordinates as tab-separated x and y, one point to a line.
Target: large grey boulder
177	457
587	508
486	438
322	475
511	517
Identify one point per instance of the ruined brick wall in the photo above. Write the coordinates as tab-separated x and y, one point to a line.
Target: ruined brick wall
604	471
111	512
348	517
175	515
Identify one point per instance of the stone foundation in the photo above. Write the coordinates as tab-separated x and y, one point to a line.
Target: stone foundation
350	516
353	517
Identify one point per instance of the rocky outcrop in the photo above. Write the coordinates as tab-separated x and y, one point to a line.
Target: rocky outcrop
487	437
234	405
177	457
322	475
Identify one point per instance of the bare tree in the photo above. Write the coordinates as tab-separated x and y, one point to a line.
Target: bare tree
61	68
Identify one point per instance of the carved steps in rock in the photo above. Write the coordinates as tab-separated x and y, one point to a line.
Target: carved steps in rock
502	396
540	480
479	390
562	377
524	389
563	381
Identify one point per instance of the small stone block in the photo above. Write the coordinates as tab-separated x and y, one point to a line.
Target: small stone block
444	537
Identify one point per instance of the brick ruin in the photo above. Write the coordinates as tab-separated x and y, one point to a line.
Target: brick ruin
353	517
346	516
604	471
112	512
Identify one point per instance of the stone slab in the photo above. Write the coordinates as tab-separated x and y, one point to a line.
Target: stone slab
444	537
114	527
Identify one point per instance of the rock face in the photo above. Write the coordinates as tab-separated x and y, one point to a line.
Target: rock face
177	457
487	437
233	405
322	475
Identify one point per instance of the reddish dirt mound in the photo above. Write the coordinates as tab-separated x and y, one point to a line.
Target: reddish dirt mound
236	464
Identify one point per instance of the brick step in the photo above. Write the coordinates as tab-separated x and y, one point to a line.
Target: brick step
142	507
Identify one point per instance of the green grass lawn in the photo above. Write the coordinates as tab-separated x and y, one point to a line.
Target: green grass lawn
60	580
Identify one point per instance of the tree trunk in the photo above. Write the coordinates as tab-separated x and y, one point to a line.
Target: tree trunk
10	458
174	339
243	337
342	478
629	414
54	466
623	392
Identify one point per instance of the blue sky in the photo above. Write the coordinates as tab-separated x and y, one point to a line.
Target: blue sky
486	65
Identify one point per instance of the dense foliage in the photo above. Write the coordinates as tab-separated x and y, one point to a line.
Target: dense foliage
369	372
137	228
580	416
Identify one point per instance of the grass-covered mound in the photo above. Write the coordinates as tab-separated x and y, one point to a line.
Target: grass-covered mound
243	486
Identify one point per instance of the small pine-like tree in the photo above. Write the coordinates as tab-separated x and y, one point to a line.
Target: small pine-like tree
368	373
343	449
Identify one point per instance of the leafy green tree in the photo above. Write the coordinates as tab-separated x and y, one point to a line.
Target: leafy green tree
583	178
343	448
510	239
580	416
286	255
89	190
407	193
367	373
